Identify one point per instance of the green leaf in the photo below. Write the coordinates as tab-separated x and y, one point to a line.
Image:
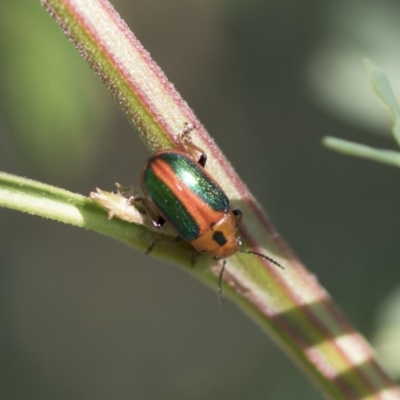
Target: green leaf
382	89
380	83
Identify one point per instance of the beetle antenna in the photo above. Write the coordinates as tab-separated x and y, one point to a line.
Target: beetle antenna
271	260
221	300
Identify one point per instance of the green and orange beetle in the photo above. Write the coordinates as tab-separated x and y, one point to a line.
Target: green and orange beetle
179	190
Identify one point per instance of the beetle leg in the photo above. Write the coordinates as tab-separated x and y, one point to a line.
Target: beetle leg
156	240
142	203
221	300
153	242
193	256
238	214
203	159
125	191
188	127
192	148
159	238
193	252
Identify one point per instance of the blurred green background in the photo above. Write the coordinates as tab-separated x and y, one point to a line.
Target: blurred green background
83	317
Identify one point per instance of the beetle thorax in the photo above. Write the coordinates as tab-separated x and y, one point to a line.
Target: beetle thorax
221	239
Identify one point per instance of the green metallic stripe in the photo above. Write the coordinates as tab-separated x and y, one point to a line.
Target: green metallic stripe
169	206
194	177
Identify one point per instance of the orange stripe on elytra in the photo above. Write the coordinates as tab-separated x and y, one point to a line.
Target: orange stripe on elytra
200	211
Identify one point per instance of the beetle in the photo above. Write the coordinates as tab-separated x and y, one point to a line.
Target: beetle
178	189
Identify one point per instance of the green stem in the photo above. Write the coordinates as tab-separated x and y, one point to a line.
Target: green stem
389	157
60	205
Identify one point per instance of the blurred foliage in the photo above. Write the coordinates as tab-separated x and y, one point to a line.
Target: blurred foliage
383	91
49	101
387	335
355	30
